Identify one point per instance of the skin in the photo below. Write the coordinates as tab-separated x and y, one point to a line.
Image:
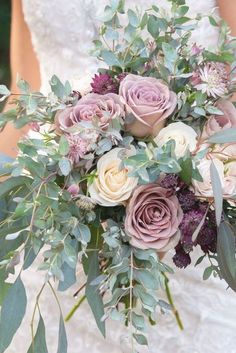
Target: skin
24	62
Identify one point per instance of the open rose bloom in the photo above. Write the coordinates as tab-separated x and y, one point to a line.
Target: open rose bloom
141	163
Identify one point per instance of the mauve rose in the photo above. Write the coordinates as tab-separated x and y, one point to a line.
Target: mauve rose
102	108
150	101
216	123
153	216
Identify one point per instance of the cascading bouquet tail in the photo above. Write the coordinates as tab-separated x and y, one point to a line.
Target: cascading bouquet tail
143	164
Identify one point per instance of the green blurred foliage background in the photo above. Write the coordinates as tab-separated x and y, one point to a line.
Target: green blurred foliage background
5	19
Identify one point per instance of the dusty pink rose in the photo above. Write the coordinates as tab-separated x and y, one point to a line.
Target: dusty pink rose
92	107
150	101
153	216
216	123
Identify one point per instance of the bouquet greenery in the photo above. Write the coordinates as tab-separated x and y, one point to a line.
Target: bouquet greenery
145	162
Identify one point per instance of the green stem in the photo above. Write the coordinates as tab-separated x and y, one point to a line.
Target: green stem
171	302
76	306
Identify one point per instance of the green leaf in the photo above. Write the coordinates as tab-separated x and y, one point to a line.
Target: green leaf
224	136
62	339
138	322
4	92
212	21
182	10
4	287
23	86
82	233
214	110
207	273
146	278
92	293
133	18
11	183
217	192
169	52
141	339
65	166
5	164
110	58
152	26
186	170
57	87
63	146
39	344
200	111
12	313
226	253
69	277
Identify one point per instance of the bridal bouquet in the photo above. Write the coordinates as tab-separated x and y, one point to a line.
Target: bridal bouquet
142	164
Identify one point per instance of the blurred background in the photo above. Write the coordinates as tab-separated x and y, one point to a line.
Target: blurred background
5	18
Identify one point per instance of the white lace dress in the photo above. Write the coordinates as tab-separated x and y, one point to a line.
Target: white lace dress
62	32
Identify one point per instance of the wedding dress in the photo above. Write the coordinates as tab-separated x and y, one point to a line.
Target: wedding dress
62	33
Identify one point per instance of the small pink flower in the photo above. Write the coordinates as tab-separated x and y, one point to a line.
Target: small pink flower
195	50
78	148
34	126
213	78
153	216
73	189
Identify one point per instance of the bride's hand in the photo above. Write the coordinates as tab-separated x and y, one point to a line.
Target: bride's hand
23	63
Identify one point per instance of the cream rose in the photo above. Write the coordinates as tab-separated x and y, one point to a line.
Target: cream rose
112	186
150	101
184	136
230	178
227	175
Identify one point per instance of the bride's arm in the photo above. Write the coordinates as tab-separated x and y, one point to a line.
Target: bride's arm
23	62
228	13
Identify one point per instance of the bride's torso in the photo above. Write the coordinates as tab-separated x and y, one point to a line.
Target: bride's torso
63	31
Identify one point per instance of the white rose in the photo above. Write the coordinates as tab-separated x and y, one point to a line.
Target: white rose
184	136
112	186
227	175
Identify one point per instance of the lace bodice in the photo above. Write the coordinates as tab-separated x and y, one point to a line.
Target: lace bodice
62	32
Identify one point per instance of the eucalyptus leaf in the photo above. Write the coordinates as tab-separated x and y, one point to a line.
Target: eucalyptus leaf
12	313
110	58
141	339
39	344
4	92
69	277
226	253
62	339
217	192
92	292
65	166
224	136
63	146
7	185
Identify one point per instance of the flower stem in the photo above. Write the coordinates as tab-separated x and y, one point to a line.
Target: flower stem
171	302
76	306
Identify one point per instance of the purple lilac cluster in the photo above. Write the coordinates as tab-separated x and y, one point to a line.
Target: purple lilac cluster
194	211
